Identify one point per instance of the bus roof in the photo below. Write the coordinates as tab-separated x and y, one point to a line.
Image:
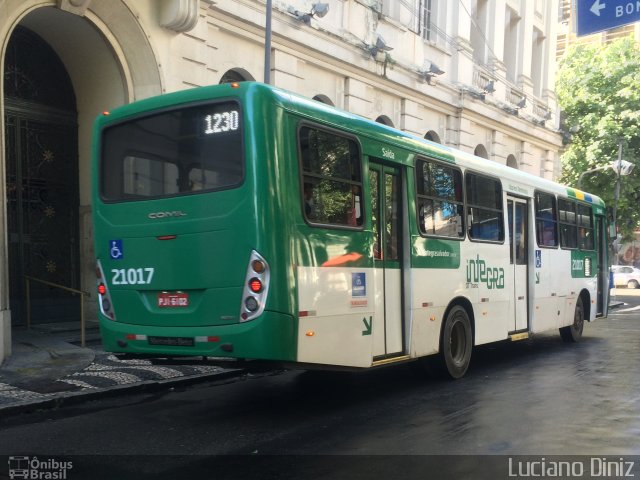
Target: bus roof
366	127
343	120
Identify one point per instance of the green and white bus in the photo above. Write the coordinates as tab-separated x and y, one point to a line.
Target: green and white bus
243	221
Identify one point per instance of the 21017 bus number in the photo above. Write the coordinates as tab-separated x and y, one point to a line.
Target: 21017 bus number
221	122
132	276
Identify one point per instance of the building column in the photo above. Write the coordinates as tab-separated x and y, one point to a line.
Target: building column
497	12
459	24
357	97
526	160
410	120
498	147
5	334
284	70
525	47
466	139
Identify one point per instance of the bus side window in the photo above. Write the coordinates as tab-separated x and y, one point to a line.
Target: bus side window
568	224
585	228
546	220
484	208
330	164
439	199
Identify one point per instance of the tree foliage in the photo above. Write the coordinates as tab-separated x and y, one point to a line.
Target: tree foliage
598	90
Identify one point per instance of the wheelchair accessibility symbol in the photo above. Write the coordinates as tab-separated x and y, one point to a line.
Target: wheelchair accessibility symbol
115	249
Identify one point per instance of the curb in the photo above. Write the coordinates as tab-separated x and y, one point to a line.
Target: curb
74	398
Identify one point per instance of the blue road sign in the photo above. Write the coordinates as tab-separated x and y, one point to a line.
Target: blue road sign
597	15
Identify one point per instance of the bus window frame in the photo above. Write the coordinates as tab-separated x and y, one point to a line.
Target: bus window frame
592	229
452	166
575	224
301	175
555	222
467	205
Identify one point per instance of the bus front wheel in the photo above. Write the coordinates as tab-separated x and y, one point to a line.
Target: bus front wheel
573	333
456	343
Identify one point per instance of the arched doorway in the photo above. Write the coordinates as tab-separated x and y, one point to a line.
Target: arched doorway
432	136
41	156
323	99
481	151
236	75
512	162
383	119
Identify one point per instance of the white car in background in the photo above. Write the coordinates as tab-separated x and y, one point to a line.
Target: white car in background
625	275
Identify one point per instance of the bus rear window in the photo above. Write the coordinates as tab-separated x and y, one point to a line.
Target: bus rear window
174	152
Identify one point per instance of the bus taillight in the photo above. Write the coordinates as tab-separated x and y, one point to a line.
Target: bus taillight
258	266
104	299
255	285
251	304
256	288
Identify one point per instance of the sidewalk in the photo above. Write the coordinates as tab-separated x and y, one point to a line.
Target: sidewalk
616	299
47	369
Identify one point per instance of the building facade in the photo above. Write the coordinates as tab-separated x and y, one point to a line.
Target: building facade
473	74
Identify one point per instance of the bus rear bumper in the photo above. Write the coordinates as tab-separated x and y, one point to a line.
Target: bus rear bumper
272	336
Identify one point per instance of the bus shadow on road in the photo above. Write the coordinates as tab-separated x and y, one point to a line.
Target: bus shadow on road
488	361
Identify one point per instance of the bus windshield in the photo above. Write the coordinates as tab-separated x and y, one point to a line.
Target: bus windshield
175	152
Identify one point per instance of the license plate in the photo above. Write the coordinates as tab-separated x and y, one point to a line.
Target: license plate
173	300
172	341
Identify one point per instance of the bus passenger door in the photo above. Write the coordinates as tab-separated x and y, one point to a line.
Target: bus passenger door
386	212
517	212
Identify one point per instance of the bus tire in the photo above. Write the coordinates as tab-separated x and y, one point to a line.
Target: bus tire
573	333
456	343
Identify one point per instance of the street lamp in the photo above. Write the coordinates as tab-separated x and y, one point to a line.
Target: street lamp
317	9
621	167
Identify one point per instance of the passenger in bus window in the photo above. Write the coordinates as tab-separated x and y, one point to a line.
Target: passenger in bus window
354	213
309	207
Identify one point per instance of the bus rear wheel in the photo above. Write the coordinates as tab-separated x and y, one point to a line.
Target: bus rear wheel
456	343
573	333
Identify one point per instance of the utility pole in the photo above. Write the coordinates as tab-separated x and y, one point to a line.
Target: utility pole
616	191
267	44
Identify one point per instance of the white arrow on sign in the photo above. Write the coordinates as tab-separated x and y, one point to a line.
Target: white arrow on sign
597	7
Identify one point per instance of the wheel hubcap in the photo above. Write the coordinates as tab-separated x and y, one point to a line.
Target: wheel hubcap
578	321
458	343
